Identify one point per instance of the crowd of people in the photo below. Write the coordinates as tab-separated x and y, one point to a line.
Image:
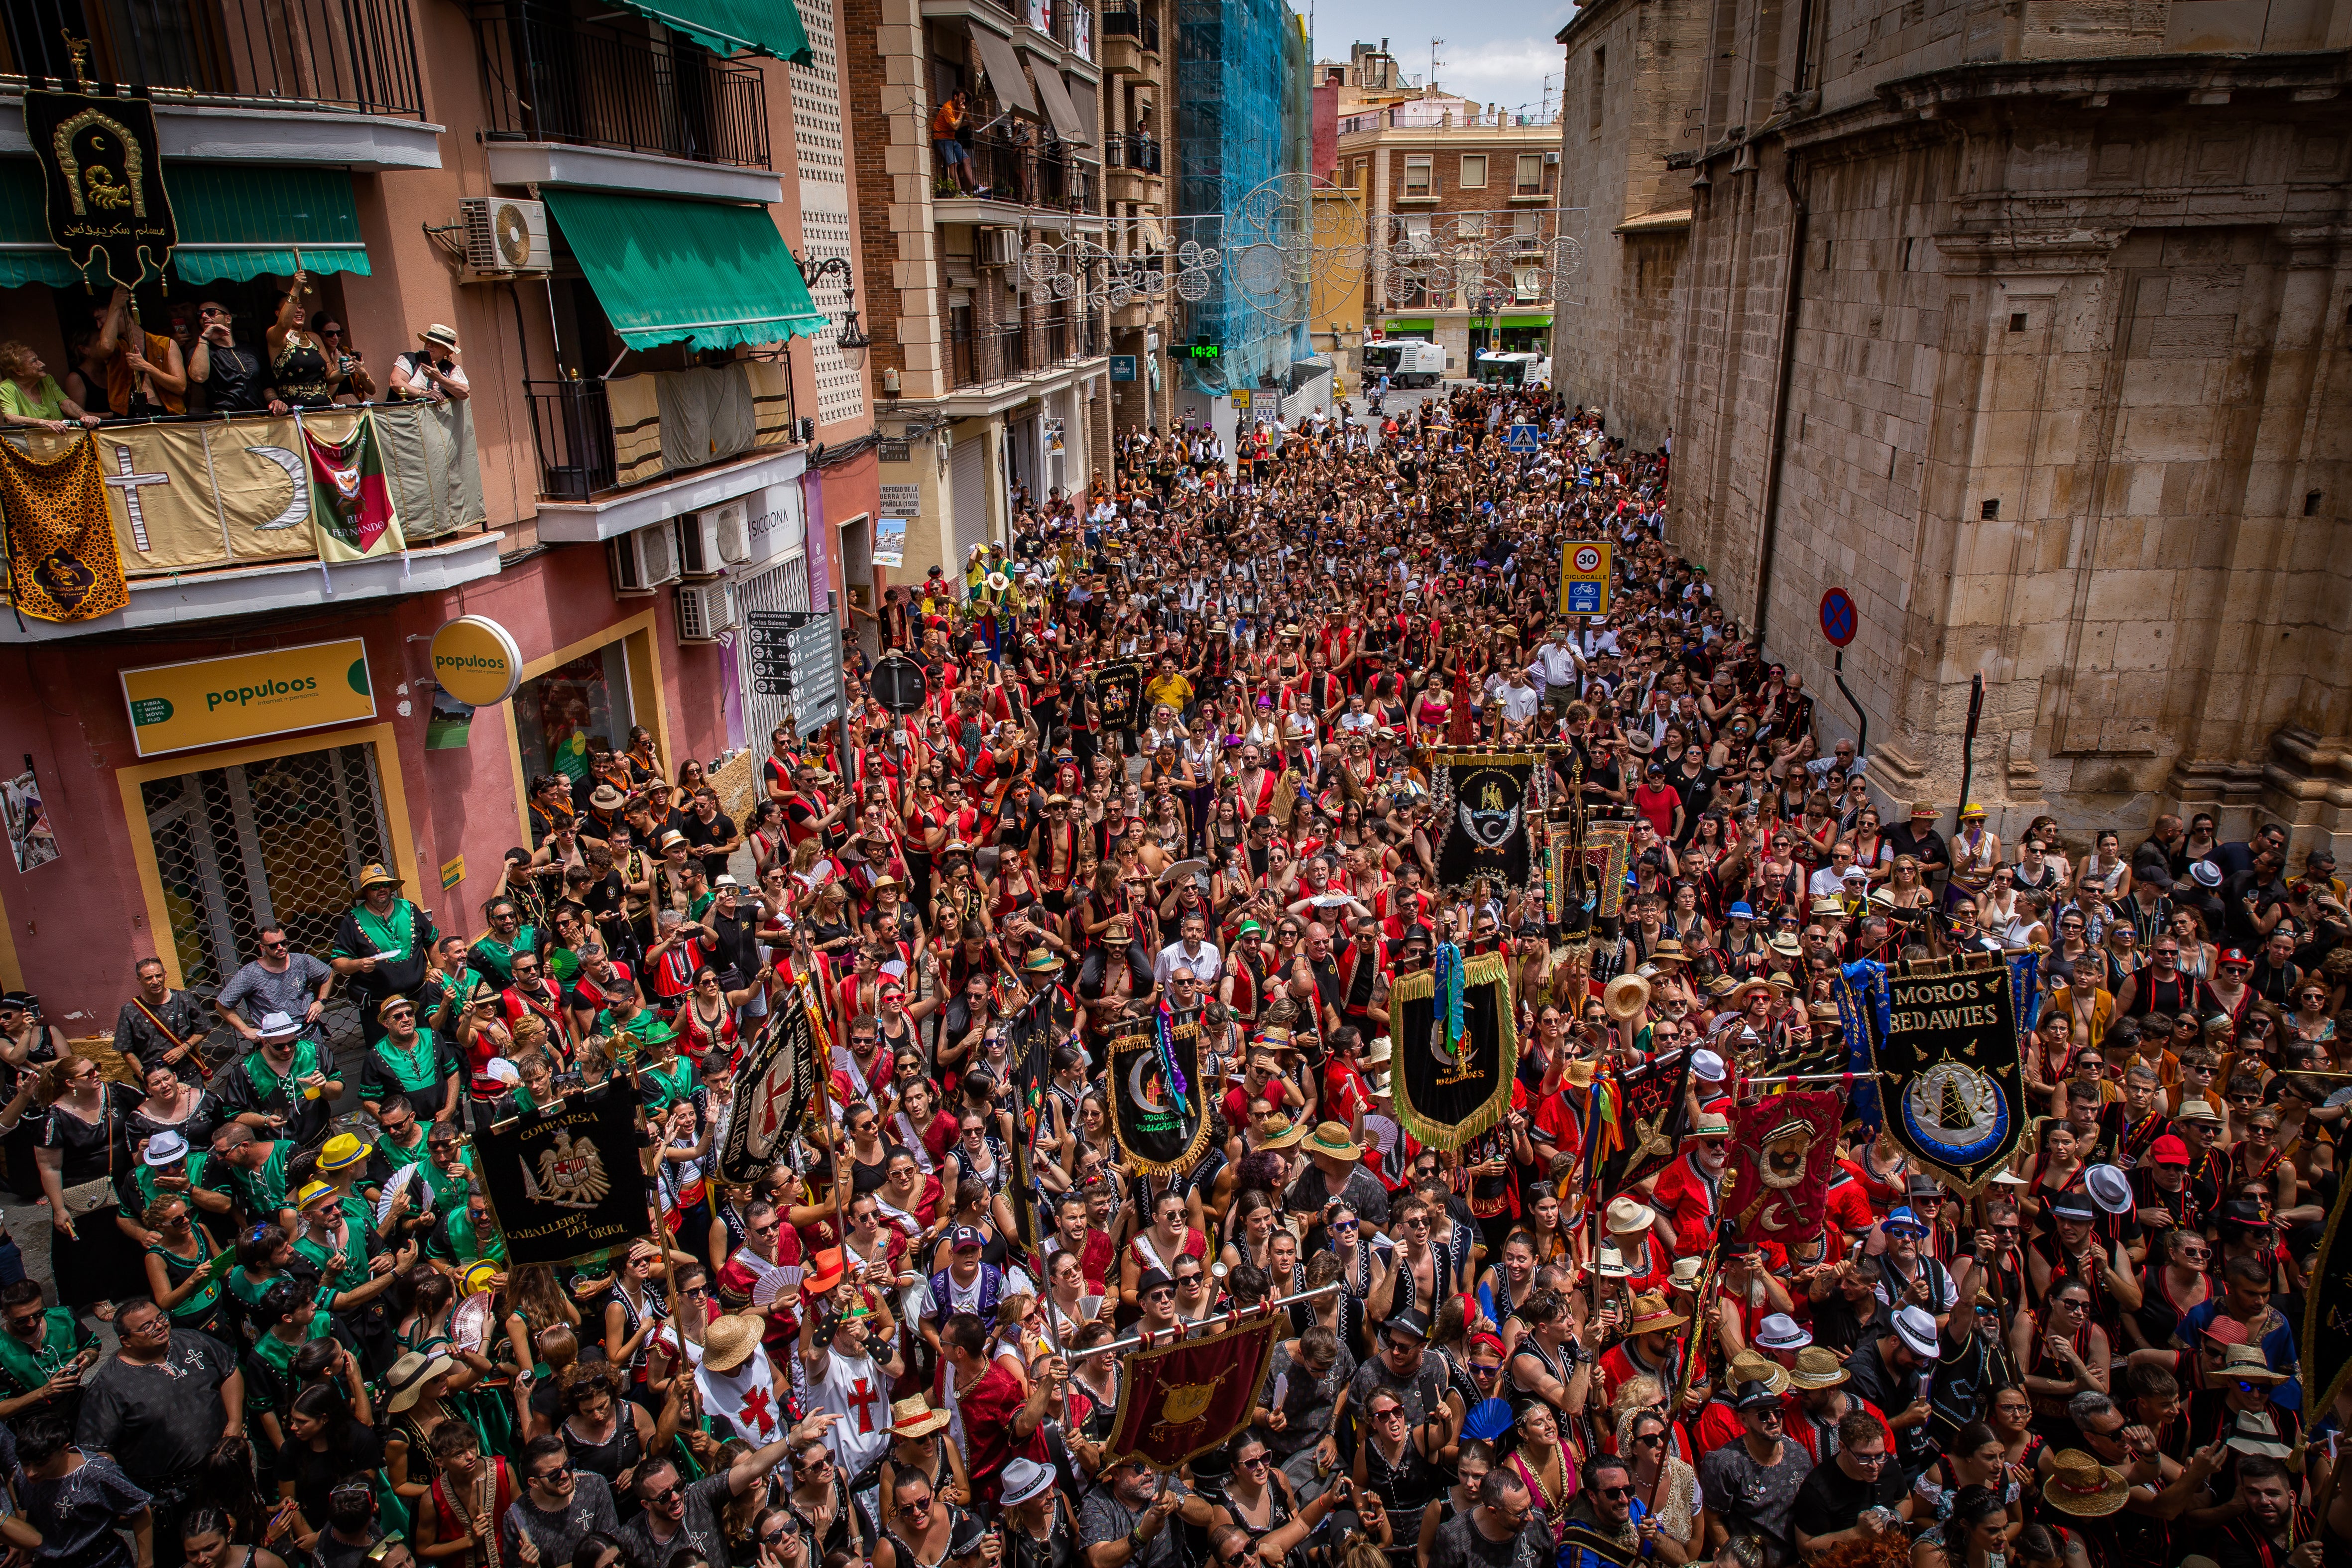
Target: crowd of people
325	1355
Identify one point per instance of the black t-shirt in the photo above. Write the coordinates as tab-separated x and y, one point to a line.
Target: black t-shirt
717	830
1830	1499
236	381
314	1475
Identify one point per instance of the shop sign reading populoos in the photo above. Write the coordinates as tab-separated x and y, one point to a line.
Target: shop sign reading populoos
215	701
477	661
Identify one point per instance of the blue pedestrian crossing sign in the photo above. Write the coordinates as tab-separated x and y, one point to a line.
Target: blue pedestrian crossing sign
1522	438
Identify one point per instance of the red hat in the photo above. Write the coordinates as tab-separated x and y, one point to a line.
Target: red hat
2235	955
2168	1150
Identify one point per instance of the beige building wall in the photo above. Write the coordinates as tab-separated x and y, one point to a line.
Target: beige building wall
2026	328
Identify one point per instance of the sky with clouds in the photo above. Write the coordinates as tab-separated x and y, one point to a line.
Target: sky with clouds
1493	53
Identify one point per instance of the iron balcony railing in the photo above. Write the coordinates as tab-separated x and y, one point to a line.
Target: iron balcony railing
1135	151
572	427
550	78
572	424
984	356
356	55
1024	175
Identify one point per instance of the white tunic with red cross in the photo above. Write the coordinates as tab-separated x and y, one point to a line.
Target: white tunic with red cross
860	1392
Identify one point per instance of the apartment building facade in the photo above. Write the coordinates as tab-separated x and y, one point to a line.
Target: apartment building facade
667	428
1458	202
989	266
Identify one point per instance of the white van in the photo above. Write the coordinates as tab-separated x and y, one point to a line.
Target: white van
1407	362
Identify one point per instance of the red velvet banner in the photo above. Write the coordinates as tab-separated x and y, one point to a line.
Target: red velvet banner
1185	1398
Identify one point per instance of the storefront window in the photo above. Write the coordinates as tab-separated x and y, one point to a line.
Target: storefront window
556	713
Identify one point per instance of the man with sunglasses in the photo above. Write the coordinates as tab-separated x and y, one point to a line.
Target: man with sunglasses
1856	1495
682	1513
278	980
1751	1485
1502	1530
558	1505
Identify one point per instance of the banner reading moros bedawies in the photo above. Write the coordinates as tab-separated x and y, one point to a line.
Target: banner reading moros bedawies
1185	1399
183	498
1950	1071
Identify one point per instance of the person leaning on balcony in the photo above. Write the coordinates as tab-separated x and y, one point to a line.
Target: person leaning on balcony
30	395
234	379
143	381
950	130
304	375
431	373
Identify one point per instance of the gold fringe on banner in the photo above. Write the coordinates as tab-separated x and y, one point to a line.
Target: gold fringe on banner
1486	969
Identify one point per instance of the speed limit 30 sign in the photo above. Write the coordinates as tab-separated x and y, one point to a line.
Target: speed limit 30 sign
1584	577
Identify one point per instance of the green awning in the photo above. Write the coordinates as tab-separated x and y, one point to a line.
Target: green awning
236	222
1527	321
243	221
665	271
735	26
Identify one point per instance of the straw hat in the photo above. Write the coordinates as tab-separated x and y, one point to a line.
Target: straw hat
1630	1217
405	1384
1818	1367
1331	1140
1612	1262
1651	1315
1278	1132
376	875
2081	1486
2246	1364
343	1152
728	1342
1754	1366
912	1417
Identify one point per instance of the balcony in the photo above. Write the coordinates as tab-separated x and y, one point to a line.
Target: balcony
552	82
984	357
223	527
251	80
1134	171
598	438
1020	175
1131	37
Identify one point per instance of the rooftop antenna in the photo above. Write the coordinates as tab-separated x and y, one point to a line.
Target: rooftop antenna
1434	45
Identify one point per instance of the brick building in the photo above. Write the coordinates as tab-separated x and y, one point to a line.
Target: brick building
2026	326
989	353
1458	202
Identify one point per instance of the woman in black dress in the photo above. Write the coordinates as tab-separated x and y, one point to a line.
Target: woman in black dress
97	1251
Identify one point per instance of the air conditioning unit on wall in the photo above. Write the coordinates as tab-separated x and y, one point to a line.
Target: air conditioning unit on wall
504	236
698	546
642	560
704	611
731	526
999	246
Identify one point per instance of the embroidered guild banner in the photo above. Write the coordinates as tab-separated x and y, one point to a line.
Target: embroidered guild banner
1157	1103
103	168
1486	828
1449	1091
563	1184
1951	1069
1783	1148
1187	1398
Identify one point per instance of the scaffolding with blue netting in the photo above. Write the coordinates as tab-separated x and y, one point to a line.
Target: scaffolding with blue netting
1243	130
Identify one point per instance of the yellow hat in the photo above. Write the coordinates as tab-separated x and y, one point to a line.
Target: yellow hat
343	1152
314	1194
479	1277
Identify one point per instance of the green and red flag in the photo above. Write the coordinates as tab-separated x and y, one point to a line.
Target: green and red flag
352	508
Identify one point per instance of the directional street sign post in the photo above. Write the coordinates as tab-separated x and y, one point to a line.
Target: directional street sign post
796	655
1584	577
